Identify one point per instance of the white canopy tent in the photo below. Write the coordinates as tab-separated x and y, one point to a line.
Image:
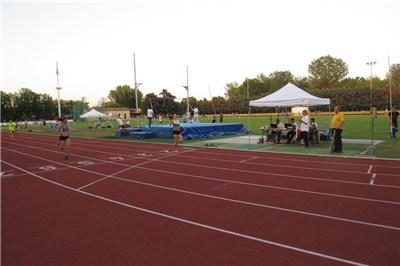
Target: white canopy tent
95	115
290	95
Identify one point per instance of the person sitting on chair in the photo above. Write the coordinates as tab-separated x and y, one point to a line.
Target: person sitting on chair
292	131
313	129
278	130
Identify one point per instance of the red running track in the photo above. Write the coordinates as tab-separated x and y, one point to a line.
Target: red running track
129	203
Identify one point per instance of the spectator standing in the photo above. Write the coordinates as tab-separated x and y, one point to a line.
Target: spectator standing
150	115
160	119
337	128
221	118
304	127
213	117
196	114
119	122
393	117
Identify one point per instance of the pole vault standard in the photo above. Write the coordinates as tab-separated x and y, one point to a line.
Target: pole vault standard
187	88
390	97
136	87
58	88
211	98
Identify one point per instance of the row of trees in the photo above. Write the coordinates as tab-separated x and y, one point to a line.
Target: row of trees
27	105
327	79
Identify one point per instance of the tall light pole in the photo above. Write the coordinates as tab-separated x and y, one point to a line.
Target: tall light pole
58	88
370	98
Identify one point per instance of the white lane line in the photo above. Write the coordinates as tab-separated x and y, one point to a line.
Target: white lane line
260	205
245	160
263	164
232	200
203	225
243	171
372	179
200	150
237	182
369	170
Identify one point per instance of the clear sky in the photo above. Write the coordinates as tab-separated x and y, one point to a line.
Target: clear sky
220	41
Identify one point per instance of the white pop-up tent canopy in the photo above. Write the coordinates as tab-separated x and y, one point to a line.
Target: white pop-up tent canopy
95	115
290	95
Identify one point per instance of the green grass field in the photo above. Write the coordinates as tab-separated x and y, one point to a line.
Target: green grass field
355	127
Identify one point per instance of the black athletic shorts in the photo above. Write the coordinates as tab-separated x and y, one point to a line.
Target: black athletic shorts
63	138
176	132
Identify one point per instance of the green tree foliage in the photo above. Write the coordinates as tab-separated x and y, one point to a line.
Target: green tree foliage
278	79
326	71
163	104
395	75
125	96
7	110
30	105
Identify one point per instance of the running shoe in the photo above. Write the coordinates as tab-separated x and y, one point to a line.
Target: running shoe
66	158
305	147
175	150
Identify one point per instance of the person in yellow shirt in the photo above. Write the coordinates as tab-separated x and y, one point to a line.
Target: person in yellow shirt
11	127
337	126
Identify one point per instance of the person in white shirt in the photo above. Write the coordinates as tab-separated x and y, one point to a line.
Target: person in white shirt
128	123
150	115
119	122
160	119
196	114
278	130
305	127
292	131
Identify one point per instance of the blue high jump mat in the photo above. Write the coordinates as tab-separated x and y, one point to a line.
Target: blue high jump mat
191	131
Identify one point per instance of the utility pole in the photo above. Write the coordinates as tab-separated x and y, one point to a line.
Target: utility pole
58	88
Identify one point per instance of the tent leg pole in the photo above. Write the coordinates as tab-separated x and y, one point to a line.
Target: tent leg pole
249	125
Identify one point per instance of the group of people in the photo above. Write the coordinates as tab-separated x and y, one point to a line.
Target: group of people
186	117
214	117
121	123
308	128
